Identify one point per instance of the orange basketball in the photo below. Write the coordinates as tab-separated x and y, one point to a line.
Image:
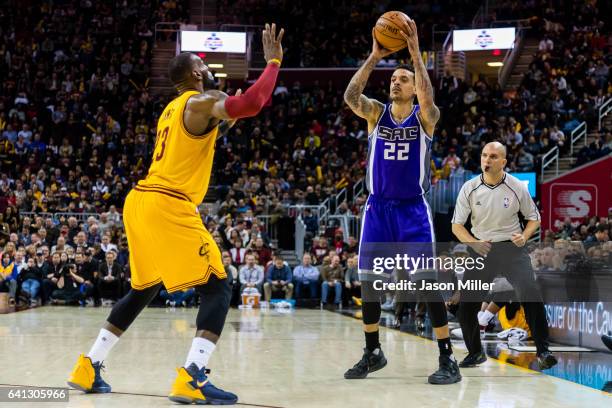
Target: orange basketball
387	30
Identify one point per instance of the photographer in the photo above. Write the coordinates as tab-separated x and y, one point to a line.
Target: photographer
68	284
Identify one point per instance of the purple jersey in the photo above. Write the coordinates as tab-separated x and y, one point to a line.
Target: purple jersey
398	157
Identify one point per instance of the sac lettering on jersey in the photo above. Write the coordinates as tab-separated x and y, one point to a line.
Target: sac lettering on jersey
398	134
398	157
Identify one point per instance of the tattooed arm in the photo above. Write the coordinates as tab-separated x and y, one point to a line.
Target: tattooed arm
361	105
429	111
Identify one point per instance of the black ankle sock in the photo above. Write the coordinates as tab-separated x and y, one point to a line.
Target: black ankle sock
445	347
372	342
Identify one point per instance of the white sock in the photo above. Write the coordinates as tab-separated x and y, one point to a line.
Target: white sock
200	352
485	318
103	345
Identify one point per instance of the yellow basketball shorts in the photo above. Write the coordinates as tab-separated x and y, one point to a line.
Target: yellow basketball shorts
167	241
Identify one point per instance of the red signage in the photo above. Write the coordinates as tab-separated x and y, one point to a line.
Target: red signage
583	192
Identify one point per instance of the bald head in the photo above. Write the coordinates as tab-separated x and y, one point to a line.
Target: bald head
500	148
493	160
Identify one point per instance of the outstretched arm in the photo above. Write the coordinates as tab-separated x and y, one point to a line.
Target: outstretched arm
429	111
253	100
361	105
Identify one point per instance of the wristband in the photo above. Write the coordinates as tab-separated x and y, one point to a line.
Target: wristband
275	61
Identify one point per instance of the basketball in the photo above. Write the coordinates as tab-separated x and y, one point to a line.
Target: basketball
387	30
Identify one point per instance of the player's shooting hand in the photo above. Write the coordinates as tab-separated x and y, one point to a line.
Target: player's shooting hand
411	36
378	51
481	247
518	239
273	49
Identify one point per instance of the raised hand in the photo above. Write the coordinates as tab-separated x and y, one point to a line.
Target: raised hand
273	49
378	51
409	32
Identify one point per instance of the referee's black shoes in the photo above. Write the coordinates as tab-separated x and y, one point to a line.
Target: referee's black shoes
473	359
607	340
448	372
370	361
546	360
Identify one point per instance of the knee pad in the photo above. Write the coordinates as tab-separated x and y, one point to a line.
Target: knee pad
215	297
437	313
129	307
435	306
371	312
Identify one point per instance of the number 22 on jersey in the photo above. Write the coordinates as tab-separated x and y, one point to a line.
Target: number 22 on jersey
396	151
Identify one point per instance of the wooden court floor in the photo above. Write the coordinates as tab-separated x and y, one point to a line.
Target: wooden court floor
269	359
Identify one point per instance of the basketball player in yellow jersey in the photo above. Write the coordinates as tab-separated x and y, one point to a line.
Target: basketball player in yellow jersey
168	242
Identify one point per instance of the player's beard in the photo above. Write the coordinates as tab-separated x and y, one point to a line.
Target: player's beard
400	97
208	81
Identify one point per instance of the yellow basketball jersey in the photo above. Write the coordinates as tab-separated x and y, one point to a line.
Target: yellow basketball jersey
182	162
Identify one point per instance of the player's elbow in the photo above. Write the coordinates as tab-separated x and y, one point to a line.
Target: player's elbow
350	99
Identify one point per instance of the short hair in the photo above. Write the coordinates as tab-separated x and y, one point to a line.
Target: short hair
179	67
404	66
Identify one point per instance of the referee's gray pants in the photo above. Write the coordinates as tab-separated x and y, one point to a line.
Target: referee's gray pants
514	264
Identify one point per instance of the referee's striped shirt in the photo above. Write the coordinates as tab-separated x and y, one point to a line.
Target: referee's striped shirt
493	210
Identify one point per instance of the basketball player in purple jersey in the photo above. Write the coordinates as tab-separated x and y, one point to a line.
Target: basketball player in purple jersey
400	135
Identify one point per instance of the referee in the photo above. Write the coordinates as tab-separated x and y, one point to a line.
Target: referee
492	202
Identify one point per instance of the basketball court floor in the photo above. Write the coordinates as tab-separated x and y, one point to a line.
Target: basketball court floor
270	359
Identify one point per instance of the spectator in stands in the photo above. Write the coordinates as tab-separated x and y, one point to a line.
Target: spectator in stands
182	298
238	252
8	277
86	271
264	254
451	161
524	160
332	276
339	245
108	284
279	279
306	275
251	275
106	244
351	279
233	276
319	250
30	279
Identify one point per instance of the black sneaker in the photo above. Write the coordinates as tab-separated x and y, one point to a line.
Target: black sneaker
546	360
370	362
607	340
447	373
473	359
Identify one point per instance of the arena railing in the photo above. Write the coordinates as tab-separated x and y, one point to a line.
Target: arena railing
550	158
300	235
166	27
481	15
578	133
58	215
604	109
512	55
359	188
